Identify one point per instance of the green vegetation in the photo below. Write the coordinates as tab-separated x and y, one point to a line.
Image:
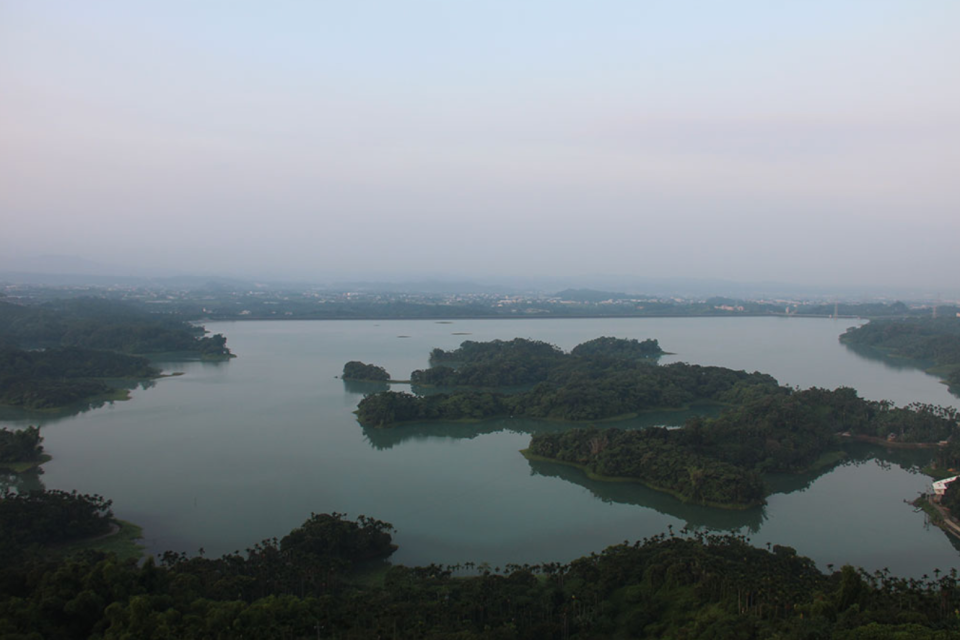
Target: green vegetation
356	370
311	582
93	323
720	461
60	376
951	498
618	348
21	446
932	340
66	352
589	384
45	518
124	543
766	428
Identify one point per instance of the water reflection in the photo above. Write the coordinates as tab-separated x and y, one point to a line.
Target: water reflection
21	417
891	362
696	516
364	387
420	431
383	439
894	362
910	460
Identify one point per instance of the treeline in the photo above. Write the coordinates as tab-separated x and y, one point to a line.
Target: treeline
44	518
604	390
94	323
21	445
302	586
720	461
935	340
590	383
661	458
59	376
61	352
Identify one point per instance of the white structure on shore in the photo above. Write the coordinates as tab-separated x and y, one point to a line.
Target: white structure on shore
941	485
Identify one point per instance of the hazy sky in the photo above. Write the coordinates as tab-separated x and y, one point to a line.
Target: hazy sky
806	142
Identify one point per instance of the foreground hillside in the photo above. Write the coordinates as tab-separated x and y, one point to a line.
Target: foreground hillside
327	578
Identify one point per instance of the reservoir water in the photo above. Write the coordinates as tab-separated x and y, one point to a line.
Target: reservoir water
228	454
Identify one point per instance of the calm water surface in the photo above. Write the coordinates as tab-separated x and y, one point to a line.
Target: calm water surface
231	453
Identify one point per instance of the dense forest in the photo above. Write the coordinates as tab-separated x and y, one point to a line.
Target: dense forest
720	461
321	580
64	352
356	370
21	445
95	323
933	340
44	518
538	380
59	376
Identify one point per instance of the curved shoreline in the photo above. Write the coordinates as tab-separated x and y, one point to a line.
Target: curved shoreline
732	506
25	466
579	423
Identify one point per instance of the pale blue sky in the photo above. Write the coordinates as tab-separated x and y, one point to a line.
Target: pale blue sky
809	142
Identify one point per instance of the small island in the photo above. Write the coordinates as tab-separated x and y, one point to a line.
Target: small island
361	372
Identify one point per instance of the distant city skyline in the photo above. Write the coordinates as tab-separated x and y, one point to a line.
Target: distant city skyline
810	144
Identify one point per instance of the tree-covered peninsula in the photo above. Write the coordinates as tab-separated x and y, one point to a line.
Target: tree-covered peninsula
935	341
57	377
721	461
95	323
65	352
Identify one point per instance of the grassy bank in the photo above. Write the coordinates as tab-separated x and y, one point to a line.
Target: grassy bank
23	467
123	542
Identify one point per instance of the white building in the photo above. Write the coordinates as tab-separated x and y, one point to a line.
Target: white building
941	485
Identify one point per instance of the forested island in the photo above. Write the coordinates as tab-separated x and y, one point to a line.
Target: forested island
934	341
327	578
69	351
589	383
764	427
359	371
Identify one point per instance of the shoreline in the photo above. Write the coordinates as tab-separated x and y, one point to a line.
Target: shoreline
26	466
623	417
890	444
730	506
937	515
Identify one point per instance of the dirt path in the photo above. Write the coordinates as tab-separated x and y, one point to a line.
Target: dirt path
948	524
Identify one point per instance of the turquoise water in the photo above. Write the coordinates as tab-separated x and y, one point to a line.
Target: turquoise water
231	453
